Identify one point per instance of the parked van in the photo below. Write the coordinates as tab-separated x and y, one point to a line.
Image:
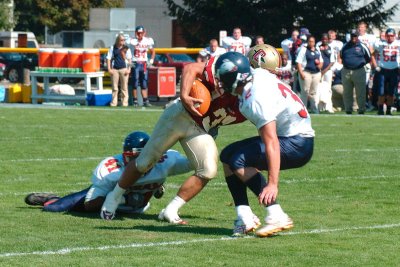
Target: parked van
18	39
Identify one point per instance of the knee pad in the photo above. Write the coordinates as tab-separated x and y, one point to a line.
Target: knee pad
208	170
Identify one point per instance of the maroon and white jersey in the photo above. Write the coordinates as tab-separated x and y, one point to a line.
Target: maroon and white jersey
387	55
141	47
241	45
224	107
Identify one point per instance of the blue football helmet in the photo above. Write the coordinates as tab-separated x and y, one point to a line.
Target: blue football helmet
231	69
133	145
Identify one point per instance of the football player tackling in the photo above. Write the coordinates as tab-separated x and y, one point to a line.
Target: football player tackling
107	174
285	138
181	122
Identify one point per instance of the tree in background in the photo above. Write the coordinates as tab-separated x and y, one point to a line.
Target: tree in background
57	15
202	20
5	11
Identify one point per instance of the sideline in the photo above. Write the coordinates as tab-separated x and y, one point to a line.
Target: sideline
184	242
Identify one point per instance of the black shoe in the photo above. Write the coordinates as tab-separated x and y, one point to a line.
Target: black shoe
147	104
361	112
348	112
160	192
135	104
38	199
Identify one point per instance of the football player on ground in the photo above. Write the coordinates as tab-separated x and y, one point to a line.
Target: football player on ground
181	122
285	139
106	176
237	42
386	64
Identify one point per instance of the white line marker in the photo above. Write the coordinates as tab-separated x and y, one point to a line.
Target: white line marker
183	242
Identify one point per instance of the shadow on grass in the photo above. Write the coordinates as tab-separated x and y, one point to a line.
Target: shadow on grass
193	229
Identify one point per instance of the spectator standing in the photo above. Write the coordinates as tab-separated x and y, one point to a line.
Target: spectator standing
141	45
214	49
328	56
337	90
285	73
287	44
355	55
386	66
259	40
237	42
336	45
118	61
309	63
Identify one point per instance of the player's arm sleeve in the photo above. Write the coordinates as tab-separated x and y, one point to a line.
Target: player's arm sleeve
181	165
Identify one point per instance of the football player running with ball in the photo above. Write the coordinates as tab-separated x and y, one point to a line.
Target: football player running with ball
181	122
106	176
285	139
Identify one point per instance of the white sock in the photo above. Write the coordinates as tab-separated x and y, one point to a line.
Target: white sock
176	204
244	212
275	211
118	192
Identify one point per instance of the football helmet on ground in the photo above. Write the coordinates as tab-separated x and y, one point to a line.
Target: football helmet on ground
265	56
232	68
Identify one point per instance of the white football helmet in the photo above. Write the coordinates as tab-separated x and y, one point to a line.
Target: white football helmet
264	56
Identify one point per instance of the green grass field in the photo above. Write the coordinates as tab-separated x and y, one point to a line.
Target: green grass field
344	202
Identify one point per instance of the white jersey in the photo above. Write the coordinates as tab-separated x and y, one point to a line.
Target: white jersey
387	55
108	172
336	46
241	45
287	45
267	99
217	52
368	39
140	48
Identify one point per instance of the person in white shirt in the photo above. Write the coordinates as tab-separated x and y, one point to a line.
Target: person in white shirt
386	61
213	50
285	140
237	42
141	44
106	175
287	44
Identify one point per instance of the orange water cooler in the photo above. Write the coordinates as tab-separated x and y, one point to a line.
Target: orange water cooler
60	58
75	58
91	60
45	57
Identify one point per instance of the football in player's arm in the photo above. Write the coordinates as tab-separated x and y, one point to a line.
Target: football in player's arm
106	175
181	122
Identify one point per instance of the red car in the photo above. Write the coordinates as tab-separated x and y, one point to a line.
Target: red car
173	60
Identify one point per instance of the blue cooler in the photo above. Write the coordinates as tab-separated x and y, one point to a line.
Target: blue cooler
99	98
3	93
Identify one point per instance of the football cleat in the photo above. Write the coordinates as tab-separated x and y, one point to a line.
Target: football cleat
241	229
107	215
39	199
170	217
275	225
159	192
147	104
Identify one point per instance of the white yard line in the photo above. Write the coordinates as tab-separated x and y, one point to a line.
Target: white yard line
183	242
